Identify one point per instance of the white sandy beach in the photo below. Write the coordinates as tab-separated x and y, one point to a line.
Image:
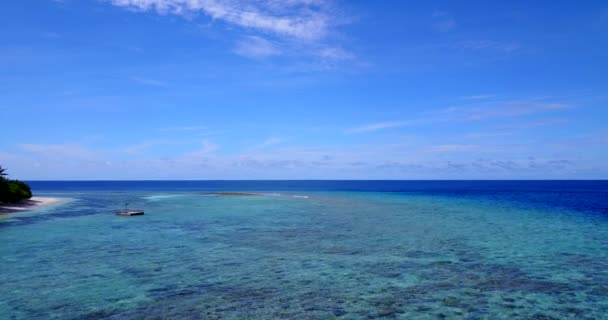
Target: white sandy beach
30	204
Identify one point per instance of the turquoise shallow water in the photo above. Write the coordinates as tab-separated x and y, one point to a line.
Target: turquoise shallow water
328	255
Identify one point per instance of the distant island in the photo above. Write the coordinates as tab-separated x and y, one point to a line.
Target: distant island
13	191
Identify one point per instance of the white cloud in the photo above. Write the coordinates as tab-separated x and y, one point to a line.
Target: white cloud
192	130
411	160
443	21
149	82
478	97
59	150
272	141
295	29
444	25
475	112
143	146
483	135
256	47
379	126
454	148
184	128
488	45
335	53
503	109
206	148
533	124
302	19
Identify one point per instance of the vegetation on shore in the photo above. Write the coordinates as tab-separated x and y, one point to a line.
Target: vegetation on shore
12	191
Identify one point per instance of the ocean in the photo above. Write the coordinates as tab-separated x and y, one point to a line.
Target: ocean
309	250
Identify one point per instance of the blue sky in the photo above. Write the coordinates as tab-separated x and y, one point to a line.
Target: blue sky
304	89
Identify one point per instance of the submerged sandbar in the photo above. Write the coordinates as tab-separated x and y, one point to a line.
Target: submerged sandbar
232	193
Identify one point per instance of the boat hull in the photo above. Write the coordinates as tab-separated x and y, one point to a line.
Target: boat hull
128	213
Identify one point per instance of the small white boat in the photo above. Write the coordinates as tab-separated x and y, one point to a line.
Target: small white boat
129	212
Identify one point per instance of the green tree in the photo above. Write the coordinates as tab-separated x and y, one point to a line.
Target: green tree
5	190
13	190
19	191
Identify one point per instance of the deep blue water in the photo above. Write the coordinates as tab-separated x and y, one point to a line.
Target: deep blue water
581	195
447	186
309	250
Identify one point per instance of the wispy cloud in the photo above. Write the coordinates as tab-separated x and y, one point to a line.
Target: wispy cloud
533	124
143	146
273	141
303	19
478	97
206	148
418	160
503	109
193	130
335	53
454	148
256	47
379	126
483	135
443	21
71	151
474	111
184	128
488	45
297	29
149	82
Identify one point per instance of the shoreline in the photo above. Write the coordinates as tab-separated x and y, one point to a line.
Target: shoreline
30	204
